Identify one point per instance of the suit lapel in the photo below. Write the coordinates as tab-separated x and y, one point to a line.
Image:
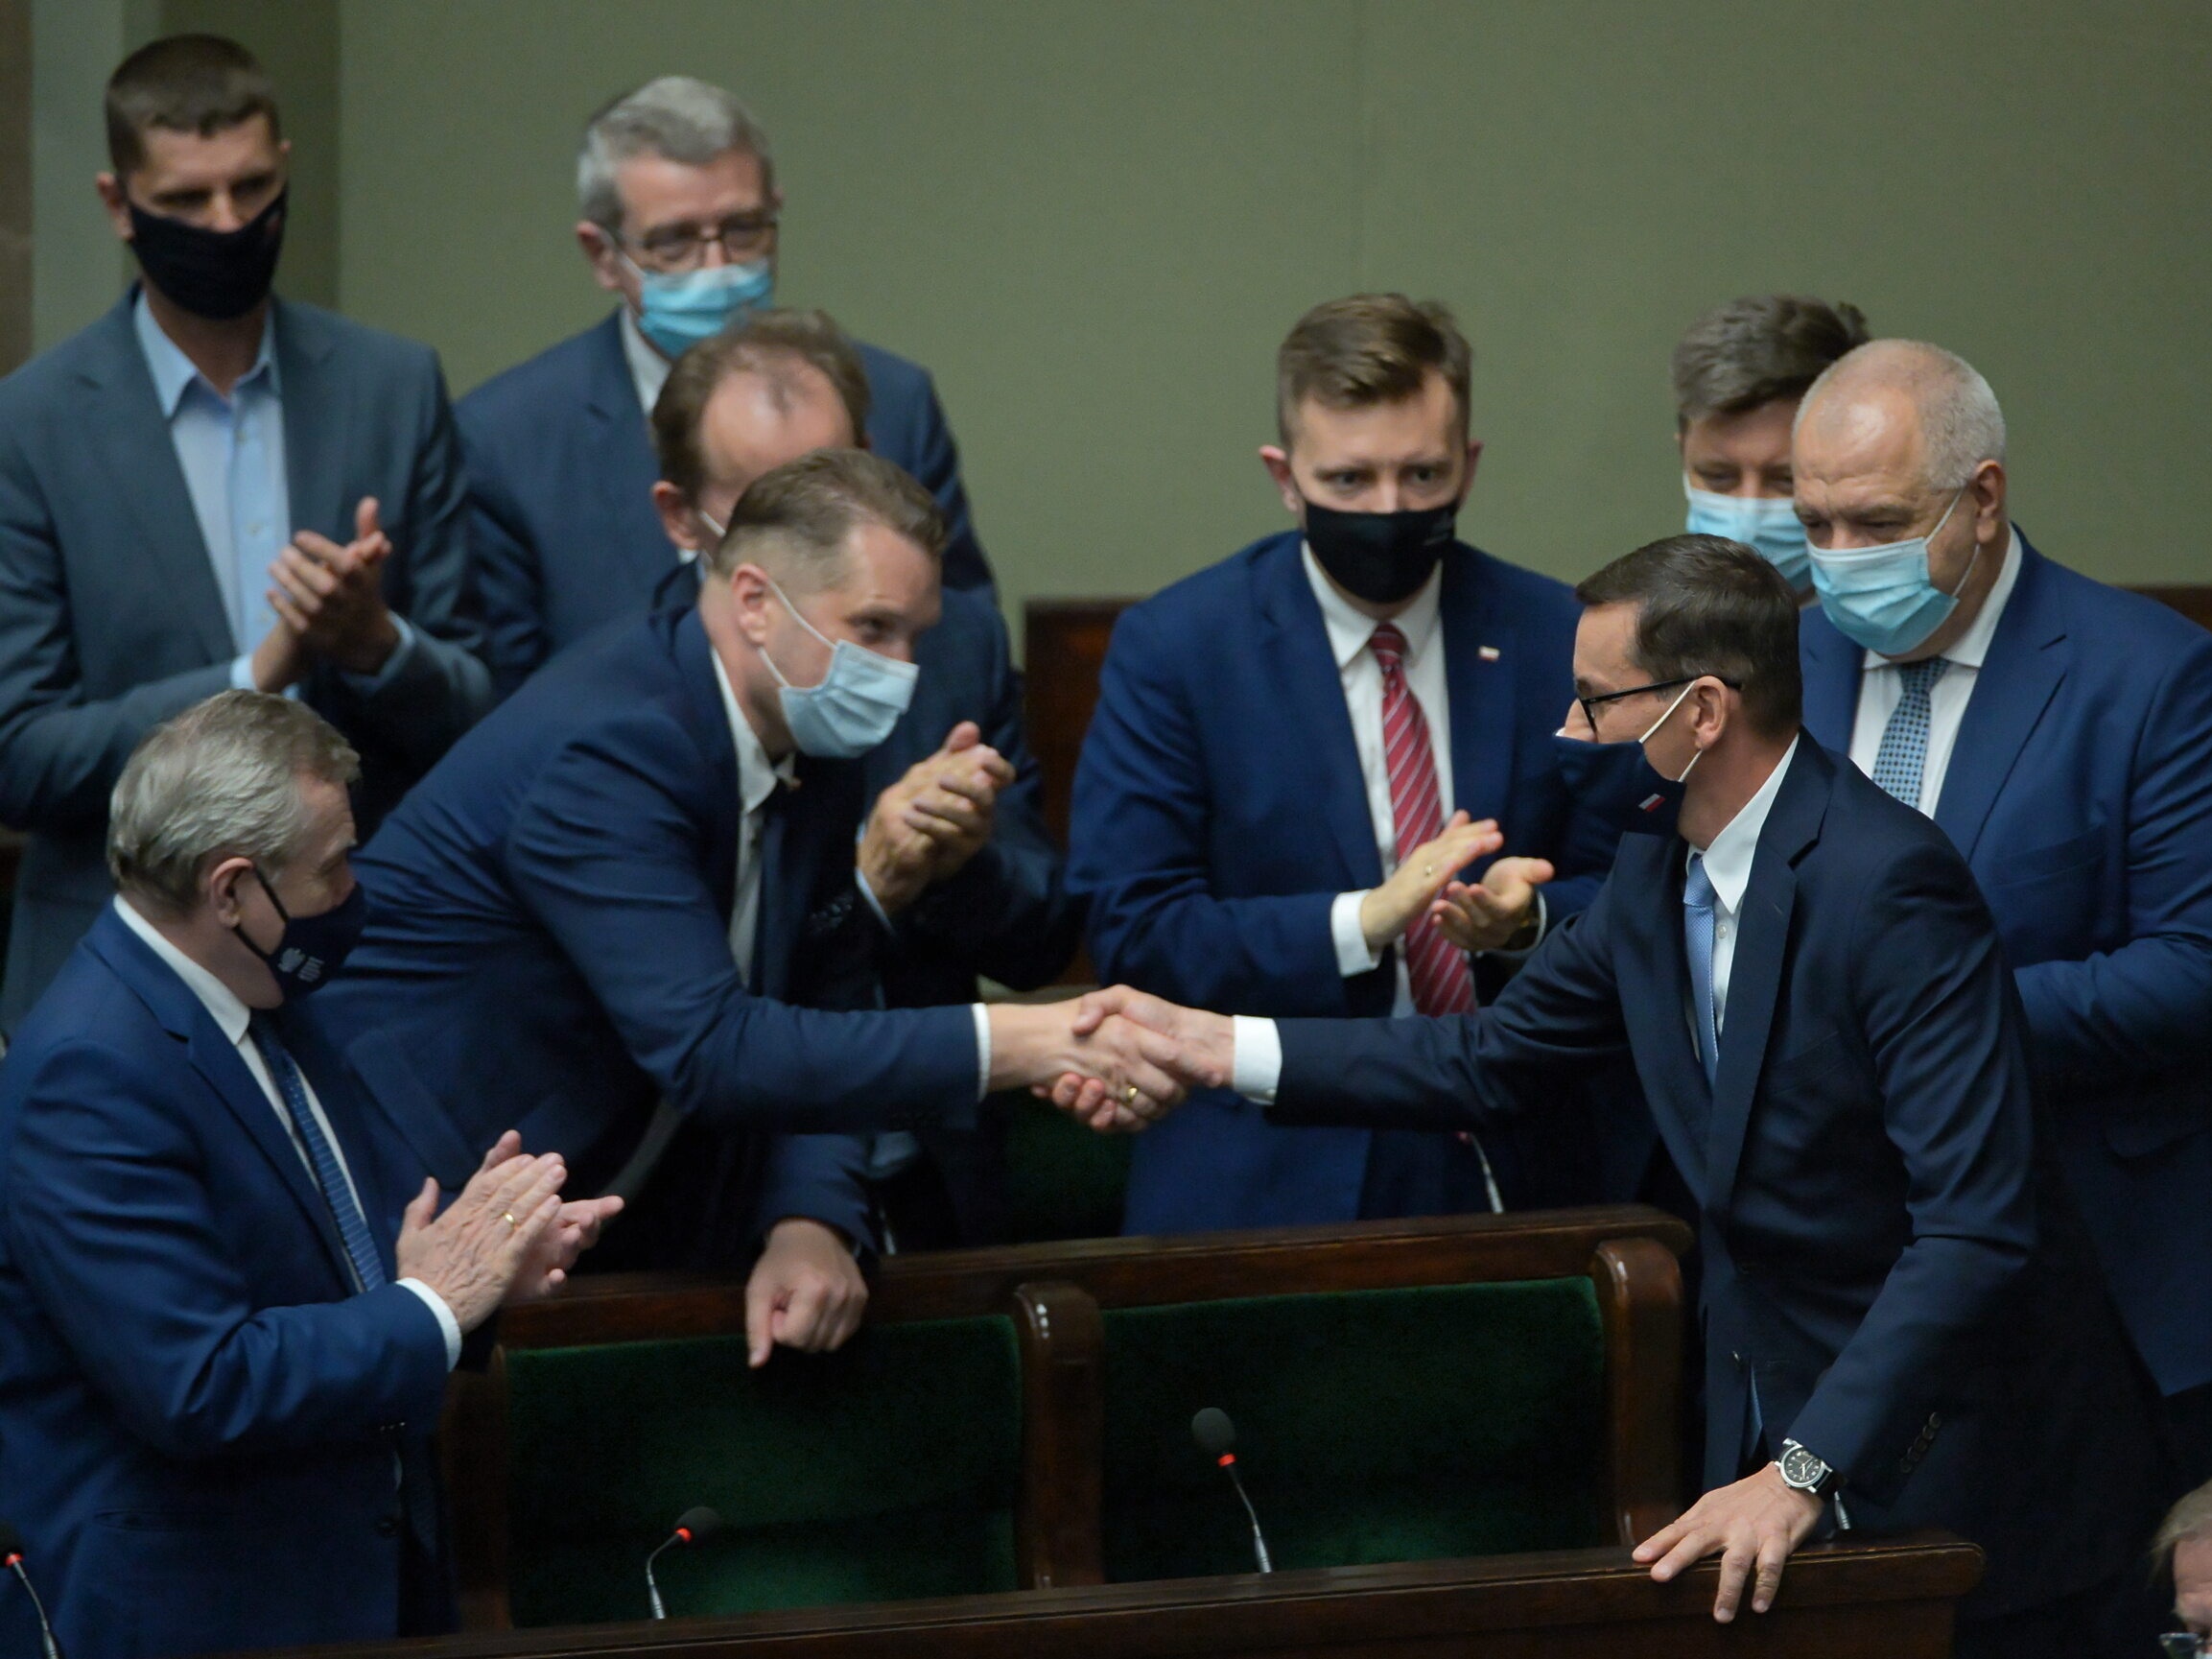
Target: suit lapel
2027	662
123	416
1303	667
623	466
1755	975
1481	689
1647	884
316	428
709	721
1831	665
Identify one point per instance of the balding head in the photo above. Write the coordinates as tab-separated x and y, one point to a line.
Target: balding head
1908	399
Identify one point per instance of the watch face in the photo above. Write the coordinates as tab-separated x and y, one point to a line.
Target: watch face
1802	1469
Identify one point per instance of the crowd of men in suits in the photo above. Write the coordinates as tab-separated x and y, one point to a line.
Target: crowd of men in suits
1837	872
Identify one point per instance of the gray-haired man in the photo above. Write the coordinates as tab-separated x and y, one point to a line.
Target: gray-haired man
679	206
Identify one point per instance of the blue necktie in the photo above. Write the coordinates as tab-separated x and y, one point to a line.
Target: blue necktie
337	1196
1904	753
1697	940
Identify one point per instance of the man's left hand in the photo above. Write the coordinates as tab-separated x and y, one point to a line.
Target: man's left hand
577	1230
1754	1524
929	825
806	1292
1485	918
333	596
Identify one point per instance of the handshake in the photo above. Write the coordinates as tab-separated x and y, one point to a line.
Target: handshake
1116	1061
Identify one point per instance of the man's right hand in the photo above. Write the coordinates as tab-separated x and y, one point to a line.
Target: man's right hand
930	823
1033	1045
473	1254
1387	911
1195	1048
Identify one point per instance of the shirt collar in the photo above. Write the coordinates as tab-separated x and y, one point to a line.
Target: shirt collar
1351	628
1970	647
173	372
218	999
757	777
1729	860
649	369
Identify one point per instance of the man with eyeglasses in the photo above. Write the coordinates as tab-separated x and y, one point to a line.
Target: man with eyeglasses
679	219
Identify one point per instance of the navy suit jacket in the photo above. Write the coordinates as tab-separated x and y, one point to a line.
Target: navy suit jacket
548	948
560	478
1886	1239
1220	810
2079	790
110	618
198	1416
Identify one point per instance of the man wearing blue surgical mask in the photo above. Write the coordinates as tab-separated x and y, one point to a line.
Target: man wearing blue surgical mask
680	220
2060	732
1738	374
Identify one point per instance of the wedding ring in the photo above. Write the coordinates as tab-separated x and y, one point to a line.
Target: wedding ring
1427	870
1129	1095
508	1215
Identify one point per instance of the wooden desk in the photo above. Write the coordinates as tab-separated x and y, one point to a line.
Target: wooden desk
1893	1599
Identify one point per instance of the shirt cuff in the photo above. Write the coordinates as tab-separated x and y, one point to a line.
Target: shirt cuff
983	1049
242	672
1255	1058
1352	956
875	904
1543	927
392	664
446	1322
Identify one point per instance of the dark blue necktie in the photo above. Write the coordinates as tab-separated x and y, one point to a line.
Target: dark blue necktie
1698	943
337	1196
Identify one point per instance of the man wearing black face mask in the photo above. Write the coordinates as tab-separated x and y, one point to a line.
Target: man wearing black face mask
1319	780
212	486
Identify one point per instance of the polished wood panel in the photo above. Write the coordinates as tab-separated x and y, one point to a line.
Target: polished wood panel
1063	648
1892	1598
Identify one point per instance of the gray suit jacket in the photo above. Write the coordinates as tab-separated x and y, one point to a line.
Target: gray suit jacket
110	618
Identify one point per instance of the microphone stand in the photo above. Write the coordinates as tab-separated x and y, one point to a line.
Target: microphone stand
1258	1543
45	1630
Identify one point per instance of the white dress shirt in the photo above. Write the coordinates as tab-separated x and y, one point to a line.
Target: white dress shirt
649	369
1881	688
232	1018
1255	1065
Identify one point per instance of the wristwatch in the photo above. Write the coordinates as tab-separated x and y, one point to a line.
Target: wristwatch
1804	1471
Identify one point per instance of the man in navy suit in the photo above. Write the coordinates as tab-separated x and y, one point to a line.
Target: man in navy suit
679	209
954	863
213	488
228	1302
1903	1321
593	916
2060	732
1272	811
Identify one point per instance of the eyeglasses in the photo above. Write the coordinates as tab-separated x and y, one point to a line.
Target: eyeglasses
1592	704
680	247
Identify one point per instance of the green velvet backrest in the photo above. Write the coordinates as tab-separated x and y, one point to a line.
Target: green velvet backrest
1396	1425
1061	1181
885	1471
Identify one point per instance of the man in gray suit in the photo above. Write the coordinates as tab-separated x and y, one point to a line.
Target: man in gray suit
213	488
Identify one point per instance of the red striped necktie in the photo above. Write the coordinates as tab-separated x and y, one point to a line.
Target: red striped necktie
1436	970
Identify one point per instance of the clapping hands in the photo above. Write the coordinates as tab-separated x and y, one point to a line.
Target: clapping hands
930	823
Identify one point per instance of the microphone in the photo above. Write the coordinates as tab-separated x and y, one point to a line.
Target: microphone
11	1559
695	1524
1216	1437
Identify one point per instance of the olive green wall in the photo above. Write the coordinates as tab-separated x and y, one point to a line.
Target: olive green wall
1094	221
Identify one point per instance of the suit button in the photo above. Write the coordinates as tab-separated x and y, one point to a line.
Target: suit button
388	1526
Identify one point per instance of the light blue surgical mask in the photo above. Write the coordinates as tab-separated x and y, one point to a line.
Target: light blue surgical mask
1882	597
676	311
856	704
1765	522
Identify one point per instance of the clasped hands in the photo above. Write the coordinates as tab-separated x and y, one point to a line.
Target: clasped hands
329	605
930	823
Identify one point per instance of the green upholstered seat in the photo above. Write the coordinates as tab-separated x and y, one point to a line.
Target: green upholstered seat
883	1472
1371	1425
1061	1181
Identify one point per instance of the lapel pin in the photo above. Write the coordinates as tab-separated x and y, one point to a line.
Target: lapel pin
1488	653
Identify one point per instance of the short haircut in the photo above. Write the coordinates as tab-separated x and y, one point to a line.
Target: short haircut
1706	605
2189	1519
1961	423
1760	350
220	780
676	118
1369	348
772	344
798	520
198	84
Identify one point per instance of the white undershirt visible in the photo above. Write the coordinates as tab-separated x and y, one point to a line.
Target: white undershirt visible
232	1018
1881	688
1256	1064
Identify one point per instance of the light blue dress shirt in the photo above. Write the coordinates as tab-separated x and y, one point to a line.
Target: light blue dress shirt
231	451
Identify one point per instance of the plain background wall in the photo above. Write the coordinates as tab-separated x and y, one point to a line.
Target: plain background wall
1094	220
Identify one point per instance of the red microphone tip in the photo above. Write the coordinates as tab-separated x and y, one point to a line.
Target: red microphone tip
1227	1459
685	1533
10	1560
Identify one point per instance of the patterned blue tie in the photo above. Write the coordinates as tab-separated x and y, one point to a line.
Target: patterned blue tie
337	1196
1697	940
1904	750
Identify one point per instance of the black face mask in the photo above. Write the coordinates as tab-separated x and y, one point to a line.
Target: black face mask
1379	557
213	273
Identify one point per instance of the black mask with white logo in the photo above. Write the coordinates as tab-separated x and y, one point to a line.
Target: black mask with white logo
1379	557
213	273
